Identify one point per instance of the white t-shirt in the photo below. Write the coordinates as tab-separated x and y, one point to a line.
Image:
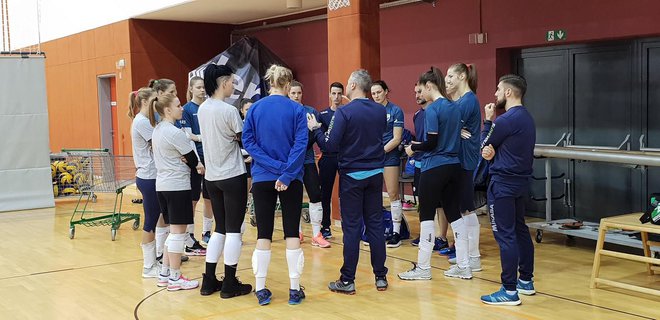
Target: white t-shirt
219	124
143	156
169	144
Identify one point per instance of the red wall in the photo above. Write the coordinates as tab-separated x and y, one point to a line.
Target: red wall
416	36
171	49
304	48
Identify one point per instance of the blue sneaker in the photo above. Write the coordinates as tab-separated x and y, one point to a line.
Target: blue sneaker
501	298
451	258
415	242
206	237
263	296
296	296
447	251
526	288
440	244
326	233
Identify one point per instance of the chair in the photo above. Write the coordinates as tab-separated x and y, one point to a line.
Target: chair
405	178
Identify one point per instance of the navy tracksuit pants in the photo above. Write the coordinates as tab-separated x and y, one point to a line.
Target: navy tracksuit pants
506	206
328	166
362	202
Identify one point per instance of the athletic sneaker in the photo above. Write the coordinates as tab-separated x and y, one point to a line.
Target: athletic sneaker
234	288
408	206
327	233
301	236
319	241
381	283
152	272
415	242
263	296
196	250
501	298
526	288
163	280
451	258
206	237
184	258
296	296
182	283
395	241
447	251
457	272
210	285
440	244
475	264
342	287
416	273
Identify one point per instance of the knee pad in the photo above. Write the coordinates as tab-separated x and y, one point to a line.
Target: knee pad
315	213
176	242
471	219
296	262
260	262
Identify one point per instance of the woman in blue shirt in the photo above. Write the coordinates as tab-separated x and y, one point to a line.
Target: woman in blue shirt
275	135
391	140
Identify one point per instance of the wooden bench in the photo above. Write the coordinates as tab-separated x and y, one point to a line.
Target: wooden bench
627	222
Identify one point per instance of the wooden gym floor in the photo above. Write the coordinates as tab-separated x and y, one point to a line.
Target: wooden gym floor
45	275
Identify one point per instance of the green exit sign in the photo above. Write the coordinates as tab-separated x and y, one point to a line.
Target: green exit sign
555	35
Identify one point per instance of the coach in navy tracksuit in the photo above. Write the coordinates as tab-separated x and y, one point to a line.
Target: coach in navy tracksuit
356	133
509	145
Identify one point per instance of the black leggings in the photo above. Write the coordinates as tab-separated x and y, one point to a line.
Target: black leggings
440	185
265	200
312	182
228	200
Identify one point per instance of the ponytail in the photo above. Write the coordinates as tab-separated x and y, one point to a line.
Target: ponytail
434	76
152	112
132	104
136	98
470	71
158	105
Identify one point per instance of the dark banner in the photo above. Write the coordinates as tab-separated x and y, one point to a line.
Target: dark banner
250	59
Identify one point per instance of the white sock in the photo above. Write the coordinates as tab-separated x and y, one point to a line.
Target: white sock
426	242
316	217
214	248
189	241
161	235
523	281
232	248
397	214
148	254
175	274
260	263
511	292
207	225
296	261
473	228
460	243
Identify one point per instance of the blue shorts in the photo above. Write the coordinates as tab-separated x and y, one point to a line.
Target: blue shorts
149	203
393	158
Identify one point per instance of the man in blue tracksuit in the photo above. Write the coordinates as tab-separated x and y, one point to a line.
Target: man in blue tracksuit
356	133
509	145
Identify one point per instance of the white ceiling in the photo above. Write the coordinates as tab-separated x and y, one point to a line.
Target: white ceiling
229	11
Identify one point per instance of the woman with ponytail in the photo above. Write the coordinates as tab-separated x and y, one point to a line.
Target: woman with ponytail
440	176
461	83
275	135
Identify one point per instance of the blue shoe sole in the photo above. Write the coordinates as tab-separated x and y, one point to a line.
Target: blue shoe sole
265	302
293	303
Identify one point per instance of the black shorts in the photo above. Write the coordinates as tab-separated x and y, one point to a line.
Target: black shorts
176	206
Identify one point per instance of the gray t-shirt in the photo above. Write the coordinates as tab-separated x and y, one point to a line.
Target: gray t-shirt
143	156
219	124
169	144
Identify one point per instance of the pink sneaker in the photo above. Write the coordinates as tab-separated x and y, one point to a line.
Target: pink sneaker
302	238
182	283
319	241
408	206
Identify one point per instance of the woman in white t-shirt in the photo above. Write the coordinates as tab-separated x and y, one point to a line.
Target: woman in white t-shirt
171	147
145	175
225	180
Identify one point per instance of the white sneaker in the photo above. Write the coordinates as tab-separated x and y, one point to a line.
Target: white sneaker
416	273
475	264
152	272
163	281
182	283
457	272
